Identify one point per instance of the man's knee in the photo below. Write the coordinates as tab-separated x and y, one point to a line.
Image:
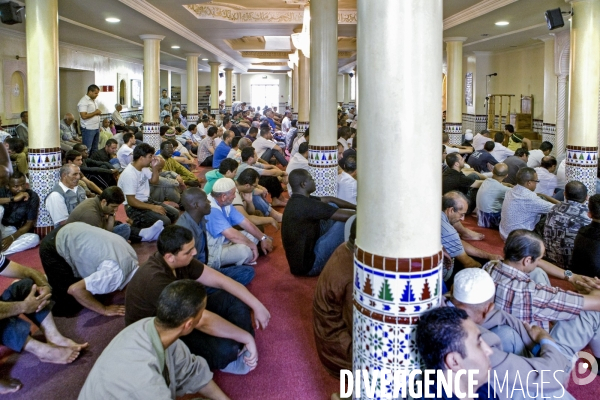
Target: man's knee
18	291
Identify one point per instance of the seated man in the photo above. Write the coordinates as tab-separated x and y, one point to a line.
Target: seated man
562	224
482	160
135	183
515	163
244	200
117	118
191	139
66	194
223	148
536	155
500	152
346	181
18	214
169	186
451	342
226	244
490	197
74	157
515	141
81	261
311	228
100	212
332	308
102	173
450	148
68	133
108	154
271	176
299	161
454	206
206	148
266	148
481	139
152	346
227	169
586	248
197	208
522	208
18	154
546	176
454	179
166	152
125	153
224	334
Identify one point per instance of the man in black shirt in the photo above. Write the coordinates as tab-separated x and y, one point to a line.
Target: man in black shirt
108	154
586	251
482	160
311	228
100	172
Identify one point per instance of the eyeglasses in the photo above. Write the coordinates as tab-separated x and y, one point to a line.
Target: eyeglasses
534	181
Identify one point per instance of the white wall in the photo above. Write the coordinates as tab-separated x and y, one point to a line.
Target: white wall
248	79
72	83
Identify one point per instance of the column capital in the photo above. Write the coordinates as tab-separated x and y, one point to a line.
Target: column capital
192	54
215	63
455	39
545	38
227	69
151	37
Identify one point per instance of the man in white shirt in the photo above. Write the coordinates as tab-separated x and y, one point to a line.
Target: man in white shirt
125	153
480	139
90	118
3	134
343	136
202	128
117	118
346	181
536	155
65	195
500	152
266	148
286	124
298	161
547	180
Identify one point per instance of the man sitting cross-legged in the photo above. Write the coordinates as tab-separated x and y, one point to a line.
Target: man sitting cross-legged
81	261
135	182
311	228
166	152
65	195
102	173
227	169
224	334
266	148
125	153
271	177
108	154
18	213
158	365
244	200
74	157
490	197
100	212
197	208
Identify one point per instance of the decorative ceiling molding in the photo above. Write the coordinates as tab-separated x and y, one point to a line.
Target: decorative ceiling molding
345	54
476	10
242	15
267	54
265	71
505	34
147	9
272	64
562	51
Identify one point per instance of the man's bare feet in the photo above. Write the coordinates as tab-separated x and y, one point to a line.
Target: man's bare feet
50	353
278	203
9	385
62	341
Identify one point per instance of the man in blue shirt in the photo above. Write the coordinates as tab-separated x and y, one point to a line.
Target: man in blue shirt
222	149
483	160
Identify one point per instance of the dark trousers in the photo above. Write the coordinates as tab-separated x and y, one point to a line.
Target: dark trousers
60	276
272	184
208	161
269	153
219	352
102	179
13	330
146	218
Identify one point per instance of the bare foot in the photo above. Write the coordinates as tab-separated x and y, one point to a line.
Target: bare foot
472	235
62	341
59	355
278	203
9	385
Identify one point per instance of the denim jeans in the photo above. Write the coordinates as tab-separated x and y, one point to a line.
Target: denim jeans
332	235
239	273
90	138
261	204
123	230
278	155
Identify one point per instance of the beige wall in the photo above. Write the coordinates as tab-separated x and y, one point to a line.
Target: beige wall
72	83
247	79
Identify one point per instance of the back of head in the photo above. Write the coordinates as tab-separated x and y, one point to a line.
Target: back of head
253	131
228	165
489	145
297	177
440	332
303	148
235	141
576	191
548	162
525	175
243	143
500	169
498	137
212	131
522	243
112	195
172	239
485	132
445	137
191	127
80	147
453	199
546	146
142	150
163	130
265	129
509	128
594	206
178	302
190	196
16	145
350	164
127	137
520	152
248	177
452	159
247	153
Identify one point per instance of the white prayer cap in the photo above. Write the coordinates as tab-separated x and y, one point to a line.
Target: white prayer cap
473	286
469	136
469	131
223	185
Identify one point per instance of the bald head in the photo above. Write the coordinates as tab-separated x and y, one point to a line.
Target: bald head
69	118
500	170
243	143
192	197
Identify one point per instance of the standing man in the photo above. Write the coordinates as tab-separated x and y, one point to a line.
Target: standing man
165	100
23	128
90	118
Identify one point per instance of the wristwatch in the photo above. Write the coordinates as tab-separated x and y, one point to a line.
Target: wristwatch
263	237
568	274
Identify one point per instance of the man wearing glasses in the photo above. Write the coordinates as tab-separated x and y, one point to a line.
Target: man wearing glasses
522	208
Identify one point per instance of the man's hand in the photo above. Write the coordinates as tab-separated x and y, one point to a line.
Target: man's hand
114	310
536	333
21	196
254	252
251	360
261	316
266	245
585	284
179	179
274	223
247	197
33	303
6	242
159	209
155	161
494	257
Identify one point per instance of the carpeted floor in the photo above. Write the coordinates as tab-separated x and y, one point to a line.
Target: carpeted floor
288	363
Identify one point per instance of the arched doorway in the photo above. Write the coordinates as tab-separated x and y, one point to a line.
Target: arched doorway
122	91
17	95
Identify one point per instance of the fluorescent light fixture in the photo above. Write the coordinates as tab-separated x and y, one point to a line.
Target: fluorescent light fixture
205	59
175	47
502	23
112	20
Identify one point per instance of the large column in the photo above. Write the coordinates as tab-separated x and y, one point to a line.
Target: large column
322	148
192	88
454	91
355	102
295	92
214	88
303	92
561	112
347	82
398	255
151	86
228	89
582	147
550	85
238	86
44	155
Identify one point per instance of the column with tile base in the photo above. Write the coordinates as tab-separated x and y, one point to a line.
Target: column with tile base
151	125
550	85
398	257
454	90
561	112
228	89
44	155
303	92
295	93
214	88
322	149
346	103
582	146
192	88
238	87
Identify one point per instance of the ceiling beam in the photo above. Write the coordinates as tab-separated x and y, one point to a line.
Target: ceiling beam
476	10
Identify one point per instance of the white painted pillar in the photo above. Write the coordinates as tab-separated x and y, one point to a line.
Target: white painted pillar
398	255
347	84
192	88
228	89
214	88
550	91
238	87
303	92
151	86
295	92
454	91
44	154
584	80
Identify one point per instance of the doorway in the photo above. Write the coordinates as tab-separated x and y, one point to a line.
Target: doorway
265	93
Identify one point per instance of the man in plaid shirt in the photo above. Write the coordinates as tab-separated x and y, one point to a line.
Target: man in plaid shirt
526	292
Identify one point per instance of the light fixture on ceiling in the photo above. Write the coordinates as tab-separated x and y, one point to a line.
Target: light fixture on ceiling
205	59
502	23
112	20
175	47
301	40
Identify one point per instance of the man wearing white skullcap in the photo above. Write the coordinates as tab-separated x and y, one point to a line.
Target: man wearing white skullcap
227	245
474	292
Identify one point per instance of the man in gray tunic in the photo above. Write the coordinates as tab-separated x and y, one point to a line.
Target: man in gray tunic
158	365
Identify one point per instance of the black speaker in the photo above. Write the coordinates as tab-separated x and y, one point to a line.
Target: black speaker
351	75
554	19
220	75
10	13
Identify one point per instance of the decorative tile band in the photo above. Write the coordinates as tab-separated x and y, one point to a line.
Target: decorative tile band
44	172
227	109
294	115
549	134
454	131
192	118
214	111
44	159
322	156
582	156
151	128
586	175
398	264
325	179
538	125
302	126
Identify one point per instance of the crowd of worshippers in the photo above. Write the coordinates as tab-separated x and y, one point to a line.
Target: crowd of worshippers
209	234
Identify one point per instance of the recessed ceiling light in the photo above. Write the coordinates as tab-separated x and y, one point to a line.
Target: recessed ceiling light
112	20
175	47
205	59
502	23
